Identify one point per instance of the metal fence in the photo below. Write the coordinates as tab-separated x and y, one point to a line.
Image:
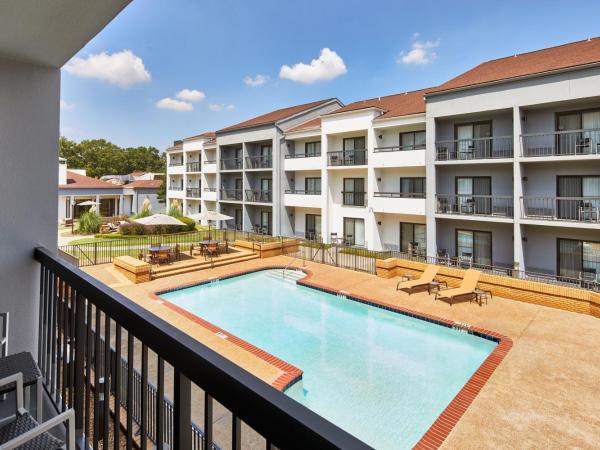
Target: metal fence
561	143
476	148
475	205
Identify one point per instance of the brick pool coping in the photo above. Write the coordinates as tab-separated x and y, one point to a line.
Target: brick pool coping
446	421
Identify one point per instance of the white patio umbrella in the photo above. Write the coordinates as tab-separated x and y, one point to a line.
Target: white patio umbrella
159	219
209	216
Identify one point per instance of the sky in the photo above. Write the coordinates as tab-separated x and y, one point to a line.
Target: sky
167	69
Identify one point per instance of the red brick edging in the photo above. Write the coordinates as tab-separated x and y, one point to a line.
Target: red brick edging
443	425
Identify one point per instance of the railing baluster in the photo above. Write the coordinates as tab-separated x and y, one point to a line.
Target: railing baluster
144	399
117	387
236	433
106	375
160	407
130	390
53	308
88	373
79	325
96	379
182	413
208	421
65	351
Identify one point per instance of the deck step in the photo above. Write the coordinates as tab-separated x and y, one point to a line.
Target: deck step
174	270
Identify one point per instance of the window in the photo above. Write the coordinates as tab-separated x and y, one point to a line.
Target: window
579	259
471	140
355	143
312	185
354	192
412	187
473	195
354	231
238	219
576	188
265	222
475	246
313	148
413	238
312	226
413	140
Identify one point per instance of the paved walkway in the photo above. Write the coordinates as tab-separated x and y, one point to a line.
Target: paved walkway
545	394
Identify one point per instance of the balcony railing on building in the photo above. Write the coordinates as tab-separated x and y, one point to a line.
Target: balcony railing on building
574	209
231	194
561	143
398	148
399	194
259	196
259	162
210	161
193	166
175	188
475	205
302	155
477	148
175	163
231	164
302	192
351	198
347	158
210	189
193	192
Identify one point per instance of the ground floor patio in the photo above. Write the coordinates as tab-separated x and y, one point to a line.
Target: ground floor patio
542	395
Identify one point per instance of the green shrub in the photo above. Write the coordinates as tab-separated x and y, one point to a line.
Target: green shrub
89	222
174	211
133	228
142	213
190	224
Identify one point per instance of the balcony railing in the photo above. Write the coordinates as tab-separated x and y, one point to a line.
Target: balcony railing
231	164
561	143
302	192
398	148
193	192
259	196
302	155
175	163
175	188
193	167
210	161
231	194
400	194
347	158
259	162
97	349
354	198
210	189
475	205
574	209
476	148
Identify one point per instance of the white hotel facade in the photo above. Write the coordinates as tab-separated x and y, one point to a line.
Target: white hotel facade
499	166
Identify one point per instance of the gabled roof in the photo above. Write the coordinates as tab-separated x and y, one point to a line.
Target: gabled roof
396	105
144	184
207	136
538	62
275	116
312	124
77	181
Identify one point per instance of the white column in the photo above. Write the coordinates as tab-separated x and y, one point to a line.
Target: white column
71	206
121	206
430	174
98	203
518	251
325	225
371	228
276	192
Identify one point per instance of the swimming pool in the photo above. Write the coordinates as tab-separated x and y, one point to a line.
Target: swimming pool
382	376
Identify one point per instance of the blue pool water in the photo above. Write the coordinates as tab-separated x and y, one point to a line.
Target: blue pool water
382	376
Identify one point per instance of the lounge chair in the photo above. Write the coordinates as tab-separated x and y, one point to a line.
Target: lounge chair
466	288
420	284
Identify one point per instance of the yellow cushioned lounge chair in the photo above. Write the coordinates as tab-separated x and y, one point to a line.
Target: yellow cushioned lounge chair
420	284
466	288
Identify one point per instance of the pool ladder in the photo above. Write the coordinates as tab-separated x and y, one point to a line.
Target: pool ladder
290	263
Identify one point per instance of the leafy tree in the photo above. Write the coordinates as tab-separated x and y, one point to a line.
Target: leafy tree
161	194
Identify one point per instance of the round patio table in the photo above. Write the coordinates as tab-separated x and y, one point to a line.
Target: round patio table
208	242
158	248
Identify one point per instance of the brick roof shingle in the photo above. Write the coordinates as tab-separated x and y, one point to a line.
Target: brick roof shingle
148	184
312	124
78	181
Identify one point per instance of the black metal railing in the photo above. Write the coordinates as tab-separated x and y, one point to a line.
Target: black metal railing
352	198
561	143
476	148
231	164
175	163
475	205
210	189
231	194
398	148
400	194
259	162
193	192
260	196
302	192
302	155
578	209
193	167
347	158
81	322
176	188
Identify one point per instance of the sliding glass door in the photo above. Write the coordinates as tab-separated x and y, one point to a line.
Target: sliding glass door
474	245
354	231
413	238
578	197
471	142
312	226
474	195
580	132
579	259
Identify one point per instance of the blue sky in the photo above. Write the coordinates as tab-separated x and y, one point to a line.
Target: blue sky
212	46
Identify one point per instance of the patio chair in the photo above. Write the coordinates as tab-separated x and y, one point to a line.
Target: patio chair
223	247
175	253
211	250
24	432
466	289
164	256
420	284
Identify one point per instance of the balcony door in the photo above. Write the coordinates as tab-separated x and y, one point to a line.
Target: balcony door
572	192
412	187
312	185
265	153
238	220
475	246
413	140
265	221
359	156
354	231
584	135
578	259
468	195
265	189
312	226
413	238
354	192
471	140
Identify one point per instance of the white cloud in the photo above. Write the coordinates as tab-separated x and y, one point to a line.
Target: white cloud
256	81
176	105
191	95
220	107
421	52
329	65
66	106
122	68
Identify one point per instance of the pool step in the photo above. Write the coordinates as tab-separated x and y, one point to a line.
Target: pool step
168	271
290	275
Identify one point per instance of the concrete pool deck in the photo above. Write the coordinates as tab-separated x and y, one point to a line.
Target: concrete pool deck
544	394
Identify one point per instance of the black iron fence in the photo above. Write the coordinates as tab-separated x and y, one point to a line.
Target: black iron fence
561	143
347	158
475	148
86	329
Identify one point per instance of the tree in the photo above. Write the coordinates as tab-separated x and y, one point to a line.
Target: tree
161	194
